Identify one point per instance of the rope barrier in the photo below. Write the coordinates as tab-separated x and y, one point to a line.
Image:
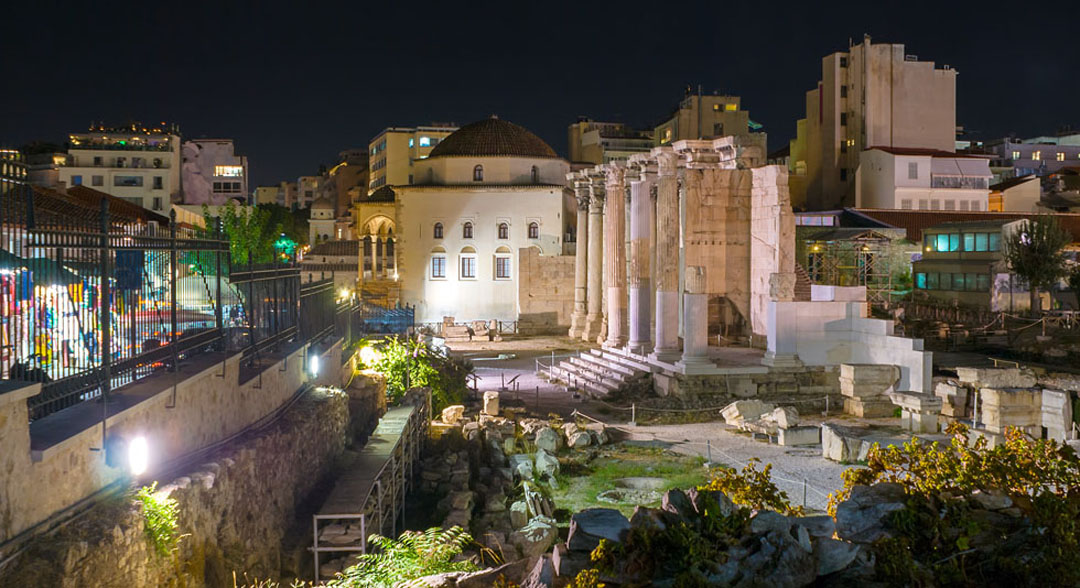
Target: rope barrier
684	410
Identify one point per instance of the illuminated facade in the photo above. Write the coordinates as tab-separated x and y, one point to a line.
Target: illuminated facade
137	163
393	153
213	172
603	142
701	116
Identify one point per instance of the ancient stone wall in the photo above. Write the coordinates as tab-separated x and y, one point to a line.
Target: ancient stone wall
545	291
806	383
233	512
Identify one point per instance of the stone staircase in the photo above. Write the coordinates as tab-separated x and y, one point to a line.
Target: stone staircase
600	372
384	293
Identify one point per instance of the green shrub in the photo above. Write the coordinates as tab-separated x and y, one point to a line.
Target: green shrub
753	488
413	555
159	517
408	363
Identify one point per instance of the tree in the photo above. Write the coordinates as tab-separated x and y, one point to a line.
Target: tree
249	230
1035	254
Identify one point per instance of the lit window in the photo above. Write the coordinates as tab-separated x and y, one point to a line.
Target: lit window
1061	156
411	142
438	231
1016	155
229	171
1036	155
502	267
667	135
730	107
438	267
76	180
478	173
466	231
504	231
425	141
920	281
716	106
468	267
534	230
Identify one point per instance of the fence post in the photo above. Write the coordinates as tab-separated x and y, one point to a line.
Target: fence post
218	313
173	272
106	321
804	492
633	414
708	452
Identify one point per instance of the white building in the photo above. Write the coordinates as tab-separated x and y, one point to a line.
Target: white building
922	179
136	163
321	223
485	192
213	172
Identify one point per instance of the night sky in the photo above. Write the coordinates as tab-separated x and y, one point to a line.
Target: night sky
293	85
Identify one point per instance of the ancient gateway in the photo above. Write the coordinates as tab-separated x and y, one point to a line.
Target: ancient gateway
695	241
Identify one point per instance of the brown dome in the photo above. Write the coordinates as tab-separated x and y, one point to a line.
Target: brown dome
492	137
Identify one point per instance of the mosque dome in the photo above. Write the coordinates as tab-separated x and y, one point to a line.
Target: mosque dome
492	137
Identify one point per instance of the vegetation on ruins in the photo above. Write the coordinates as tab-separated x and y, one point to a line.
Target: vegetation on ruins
159	517
947	535
414	554
408	363
752	488
1036	254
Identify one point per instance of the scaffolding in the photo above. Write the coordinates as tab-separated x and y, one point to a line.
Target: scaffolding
852	257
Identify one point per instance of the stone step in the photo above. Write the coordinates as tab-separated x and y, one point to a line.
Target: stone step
569	374
612	366
638	366
601	369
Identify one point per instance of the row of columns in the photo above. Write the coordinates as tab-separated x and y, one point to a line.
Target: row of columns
380	251
629	280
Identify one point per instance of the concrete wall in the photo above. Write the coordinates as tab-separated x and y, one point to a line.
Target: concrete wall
497	170
234	511
545	290
65	467
833	328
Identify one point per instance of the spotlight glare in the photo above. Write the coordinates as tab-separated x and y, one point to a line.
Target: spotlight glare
138	455
313	365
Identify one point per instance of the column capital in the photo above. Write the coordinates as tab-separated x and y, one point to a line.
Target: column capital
667	161
614	174
581	190
699	154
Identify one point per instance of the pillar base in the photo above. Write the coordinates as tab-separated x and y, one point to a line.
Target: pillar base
666	355
695	365
577	325
781	360
639	347
592	328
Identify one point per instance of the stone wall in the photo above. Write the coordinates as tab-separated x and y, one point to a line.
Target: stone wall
56	462
545	291
807	383
233	512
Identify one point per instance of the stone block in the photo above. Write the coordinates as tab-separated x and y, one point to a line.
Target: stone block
1057	414
841	444
804	435
491	403
452	414
548	440
784	416
953	399
867	380
918	412
869	408
591	525
996	377
1000	408
745	410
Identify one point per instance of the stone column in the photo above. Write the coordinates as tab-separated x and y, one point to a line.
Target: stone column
667	257
595	317
641	178
581	256
695	357
374	258
615	251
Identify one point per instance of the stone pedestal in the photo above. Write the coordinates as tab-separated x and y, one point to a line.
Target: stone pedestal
918	412
695	356
953	399
1000	408
864	387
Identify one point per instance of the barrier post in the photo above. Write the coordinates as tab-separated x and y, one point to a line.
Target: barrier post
633	414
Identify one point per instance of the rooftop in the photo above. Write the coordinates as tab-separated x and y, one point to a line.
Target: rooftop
917	221
339	248
924	152
492	137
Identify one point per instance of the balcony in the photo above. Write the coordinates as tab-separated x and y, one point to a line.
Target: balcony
165	147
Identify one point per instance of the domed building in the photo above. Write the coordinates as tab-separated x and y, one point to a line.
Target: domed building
321	222
486	192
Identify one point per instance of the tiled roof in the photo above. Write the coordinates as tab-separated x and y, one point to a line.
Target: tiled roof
383	194
338	248
921	151
916	221
118	207
492	137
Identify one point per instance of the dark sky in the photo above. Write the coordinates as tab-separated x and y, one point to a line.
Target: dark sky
294	84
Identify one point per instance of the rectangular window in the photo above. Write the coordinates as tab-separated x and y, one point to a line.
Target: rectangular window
158	183
975	206
1036	155
932	281
438	266
157	202
97	161
411	142
942	242
1016	155
76	180
954	241
935	204
969	241
905	204
982	283
229	171
843	147
958	281
843	91
502	268
843	61
97	180
128	181
425	141
718	129
924	204
731	107
980	242
843	118
995	241
468	267
972	282
843	174
963	205
950	205
945	282
920	281
1061	156
912	170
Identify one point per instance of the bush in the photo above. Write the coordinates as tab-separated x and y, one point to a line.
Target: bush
753	488
413	364
413	555
159	516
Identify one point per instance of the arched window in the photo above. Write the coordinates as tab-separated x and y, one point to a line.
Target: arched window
466	231
438	231
534	230
504	231
535	175
478	173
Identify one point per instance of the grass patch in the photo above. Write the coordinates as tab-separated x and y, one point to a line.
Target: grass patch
586	475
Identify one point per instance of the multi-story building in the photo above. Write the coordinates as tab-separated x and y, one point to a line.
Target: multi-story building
307	190
700	116
1040	156
213	172
393	151
872	95
13	169
44	167
350	171
596	142
1016	195
269	195
288	194
137	163
922	179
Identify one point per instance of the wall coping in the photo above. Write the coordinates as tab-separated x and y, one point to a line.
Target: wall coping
12	391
